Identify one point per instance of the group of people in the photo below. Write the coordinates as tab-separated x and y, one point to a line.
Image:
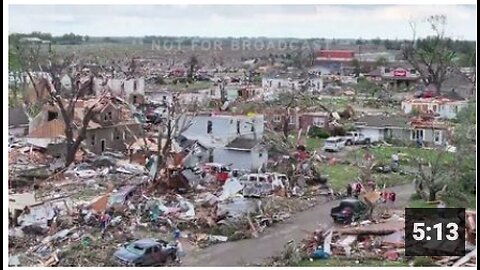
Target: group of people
388	197
354	189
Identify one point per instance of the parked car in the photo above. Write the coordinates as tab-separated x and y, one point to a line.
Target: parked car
355	137
146	252
334	144
349	210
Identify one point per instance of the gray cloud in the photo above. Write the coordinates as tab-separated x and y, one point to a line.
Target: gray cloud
350	21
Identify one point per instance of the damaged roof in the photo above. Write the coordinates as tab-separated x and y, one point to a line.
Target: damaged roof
383	121
452	95
243	143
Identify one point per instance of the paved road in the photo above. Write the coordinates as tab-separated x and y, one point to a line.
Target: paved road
270	242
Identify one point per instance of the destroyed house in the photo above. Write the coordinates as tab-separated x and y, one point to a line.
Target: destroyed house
445	106
194	152
292	81
296	119
400	75
111	128
220	129
401	128
131	89
232	139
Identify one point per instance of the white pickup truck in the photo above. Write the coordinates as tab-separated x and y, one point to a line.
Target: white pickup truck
356	137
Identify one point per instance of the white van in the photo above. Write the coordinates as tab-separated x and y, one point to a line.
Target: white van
256	184
334	144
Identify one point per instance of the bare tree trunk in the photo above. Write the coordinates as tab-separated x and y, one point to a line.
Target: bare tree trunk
285	127
438	86
432	195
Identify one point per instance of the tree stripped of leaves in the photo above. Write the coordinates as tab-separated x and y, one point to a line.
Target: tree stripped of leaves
63	100
431	57
192	66
432	177
176	122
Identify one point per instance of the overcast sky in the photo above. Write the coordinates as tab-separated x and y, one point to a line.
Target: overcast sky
347	21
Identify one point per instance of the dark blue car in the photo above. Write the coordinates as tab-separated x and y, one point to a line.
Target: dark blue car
146	252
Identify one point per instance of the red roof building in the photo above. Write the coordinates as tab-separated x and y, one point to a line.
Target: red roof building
336	55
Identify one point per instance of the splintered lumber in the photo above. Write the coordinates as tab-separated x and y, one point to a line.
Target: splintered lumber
360	231
446	260
465	258
328	241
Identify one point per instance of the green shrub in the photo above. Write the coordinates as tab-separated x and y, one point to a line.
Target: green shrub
317	132
423	261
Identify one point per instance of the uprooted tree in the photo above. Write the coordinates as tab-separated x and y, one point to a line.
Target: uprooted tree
432	57
46	81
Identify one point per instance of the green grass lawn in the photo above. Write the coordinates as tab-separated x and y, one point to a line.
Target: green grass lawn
391	179
338	263
314	144
417	202
339	175
336	103
470	203
384	154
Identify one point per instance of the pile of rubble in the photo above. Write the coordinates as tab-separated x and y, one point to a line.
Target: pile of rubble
383	240
367	240
470	259
61	221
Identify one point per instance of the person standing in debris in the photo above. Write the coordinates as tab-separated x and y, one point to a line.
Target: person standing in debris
56	211
180	251
419	142
395	161
104	220
358	188
392	198
349	190
176	234
385	196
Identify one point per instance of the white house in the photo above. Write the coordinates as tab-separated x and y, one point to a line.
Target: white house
383	128
444	107
235	139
